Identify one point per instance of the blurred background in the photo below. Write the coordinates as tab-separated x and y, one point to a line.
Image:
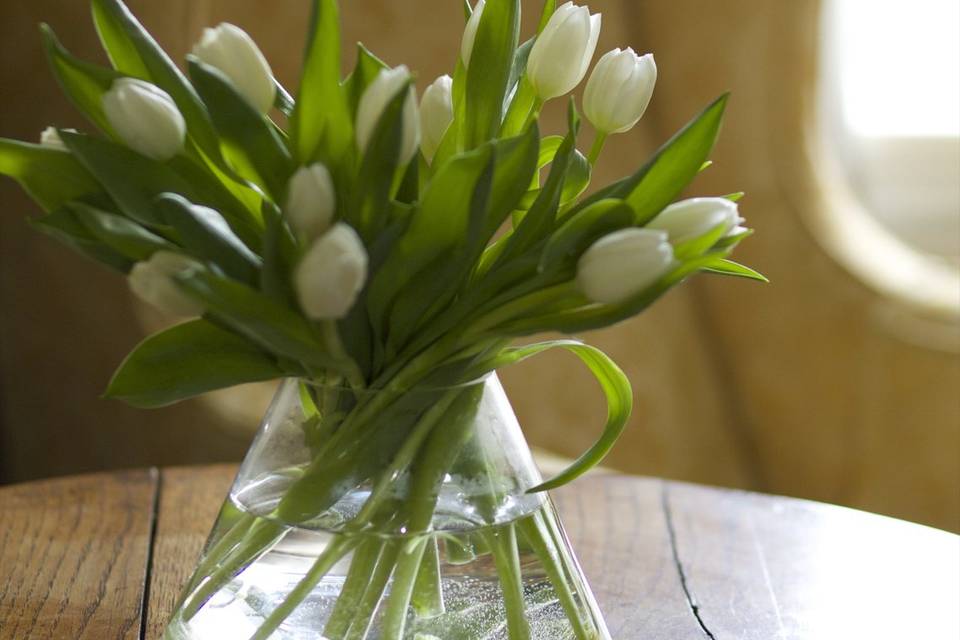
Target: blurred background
839	382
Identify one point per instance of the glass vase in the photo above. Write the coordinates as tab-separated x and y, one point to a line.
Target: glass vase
388	515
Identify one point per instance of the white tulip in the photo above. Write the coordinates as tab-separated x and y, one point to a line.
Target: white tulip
619	90
436	114
152	281
145	117
689	219
562	53
470	33
622	264
231	50
311	201
374	102
50	138
332	274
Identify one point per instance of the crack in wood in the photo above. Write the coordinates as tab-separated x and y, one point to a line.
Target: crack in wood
157	476
672	535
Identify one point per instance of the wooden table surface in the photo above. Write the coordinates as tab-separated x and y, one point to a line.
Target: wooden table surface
103	556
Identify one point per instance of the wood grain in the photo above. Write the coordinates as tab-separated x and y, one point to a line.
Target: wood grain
189	499
73	556
759	567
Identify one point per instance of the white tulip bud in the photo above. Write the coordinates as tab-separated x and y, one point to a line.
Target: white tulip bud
619	90
332	274
374	102
146	118
436	114
311	201
689	219
232	51
562	53
470	33
622	264
152	281
50	138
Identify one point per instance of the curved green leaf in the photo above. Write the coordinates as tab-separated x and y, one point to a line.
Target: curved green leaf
251	142
188	360
64	226
259	318
670	170
120	234
50	176
84	83
209	239
614	383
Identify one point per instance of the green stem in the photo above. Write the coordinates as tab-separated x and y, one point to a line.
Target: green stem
427	597
537	535
257	541
405	576
363	616
362	565
534	113
331	555
331	338
221	548
506	557
536	300
597	148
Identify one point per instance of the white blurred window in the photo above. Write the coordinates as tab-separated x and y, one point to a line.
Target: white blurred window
891	102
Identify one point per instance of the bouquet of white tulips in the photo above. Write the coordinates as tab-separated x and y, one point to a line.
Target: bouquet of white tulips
365	240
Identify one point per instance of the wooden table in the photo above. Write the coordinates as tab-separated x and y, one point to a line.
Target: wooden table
103	556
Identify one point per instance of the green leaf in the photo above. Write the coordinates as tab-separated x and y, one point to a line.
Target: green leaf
549	8
577	234
134	52
134	181
120	234
251	143
131	179
50	176
188	360
700	245
549	147
209	238
367	69
260	318
493	51
730	268
597	316
613	382
279	257
64	226
437	225
542	216
322	128
672	168
379	172
84	83
577	179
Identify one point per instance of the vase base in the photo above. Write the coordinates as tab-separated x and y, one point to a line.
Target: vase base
464	600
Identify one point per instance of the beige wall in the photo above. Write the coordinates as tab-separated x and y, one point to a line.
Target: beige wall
802	387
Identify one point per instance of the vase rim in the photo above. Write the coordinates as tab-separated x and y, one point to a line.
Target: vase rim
429	386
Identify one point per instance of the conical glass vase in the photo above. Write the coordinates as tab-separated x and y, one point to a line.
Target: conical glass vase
388	515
